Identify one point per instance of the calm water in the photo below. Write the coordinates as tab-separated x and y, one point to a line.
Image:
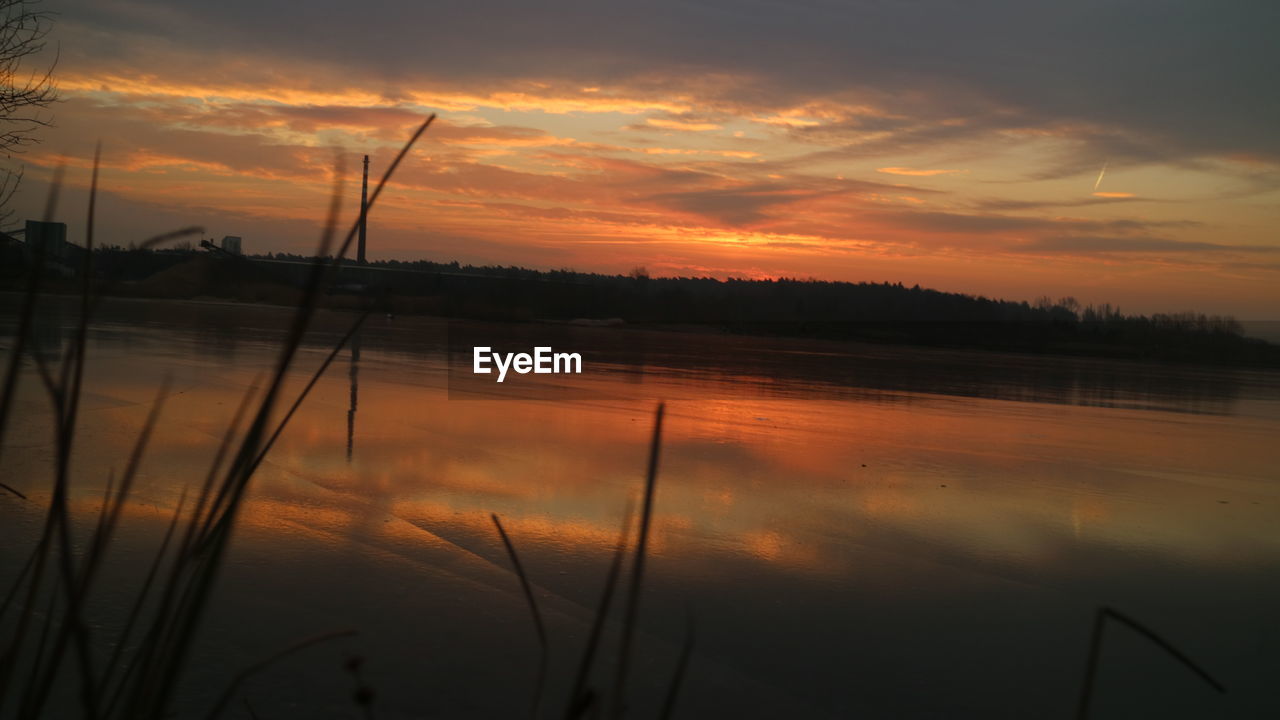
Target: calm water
855	530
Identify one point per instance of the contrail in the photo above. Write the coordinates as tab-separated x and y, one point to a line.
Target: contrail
1099	180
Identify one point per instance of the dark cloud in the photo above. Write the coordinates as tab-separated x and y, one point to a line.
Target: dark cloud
1016	205
735	206
962	223
747	204
1092	245
1141	82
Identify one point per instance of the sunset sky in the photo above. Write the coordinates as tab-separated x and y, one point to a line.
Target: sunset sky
950	144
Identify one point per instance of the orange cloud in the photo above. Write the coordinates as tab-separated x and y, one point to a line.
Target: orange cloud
669	124
916	173
541	97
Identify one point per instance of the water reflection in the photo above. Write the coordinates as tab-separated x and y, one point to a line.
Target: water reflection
353	373
925	542
750	366
51	326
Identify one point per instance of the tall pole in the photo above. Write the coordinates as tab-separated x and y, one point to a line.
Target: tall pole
364	210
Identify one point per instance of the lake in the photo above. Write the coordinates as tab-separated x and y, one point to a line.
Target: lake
851	530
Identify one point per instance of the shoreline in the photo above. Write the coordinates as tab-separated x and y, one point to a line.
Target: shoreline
676	332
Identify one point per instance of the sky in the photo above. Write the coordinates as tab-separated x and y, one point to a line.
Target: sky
1114	151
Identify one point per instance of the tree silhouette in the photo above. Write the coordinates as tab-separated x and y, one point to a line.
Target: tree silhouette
24	92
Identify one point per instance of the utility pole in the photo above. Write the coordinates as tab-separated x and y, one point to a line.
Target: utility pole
364	210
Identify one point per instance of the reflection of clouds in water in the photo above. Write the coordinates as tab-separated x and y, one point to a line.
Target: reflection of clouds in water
818	467
816	500
813	470
353	375
729	367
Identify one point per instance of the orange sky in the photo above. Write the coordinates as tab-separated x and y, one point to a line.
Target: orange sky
943	162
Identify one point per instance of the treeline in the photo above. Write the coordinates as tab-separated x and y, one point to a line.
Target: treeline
878	312
885	312
639	297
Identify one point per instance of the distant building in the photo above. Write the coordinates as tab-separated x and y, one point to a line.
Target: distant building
49	237
47	240
13	256
231	244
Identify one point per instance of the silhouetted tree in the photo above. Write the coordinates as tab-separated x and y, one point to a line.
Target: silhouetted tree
24	92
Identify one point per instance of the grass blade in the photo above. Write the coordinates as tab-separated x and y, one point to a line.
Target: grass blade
682	665
1095	651
580	698
533	609
138	603
637	568
25	320
8	488
268	662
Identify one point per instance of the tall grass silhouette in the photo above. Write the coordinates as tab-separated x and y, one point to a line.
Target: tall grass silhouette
57	646
52	648
585	697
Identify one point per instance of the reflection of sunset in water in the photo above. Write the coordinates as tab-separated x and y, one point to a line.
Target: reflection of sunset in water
807	501
756	474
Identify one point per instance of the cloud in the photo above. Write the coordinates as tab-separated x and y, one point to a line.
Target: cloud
1093	245
1005	205
741	206
1002	65
795	202
673	124
990	223
916	173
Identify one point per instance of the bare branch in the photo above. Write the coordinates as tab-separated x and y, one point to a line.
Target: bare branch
24	92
